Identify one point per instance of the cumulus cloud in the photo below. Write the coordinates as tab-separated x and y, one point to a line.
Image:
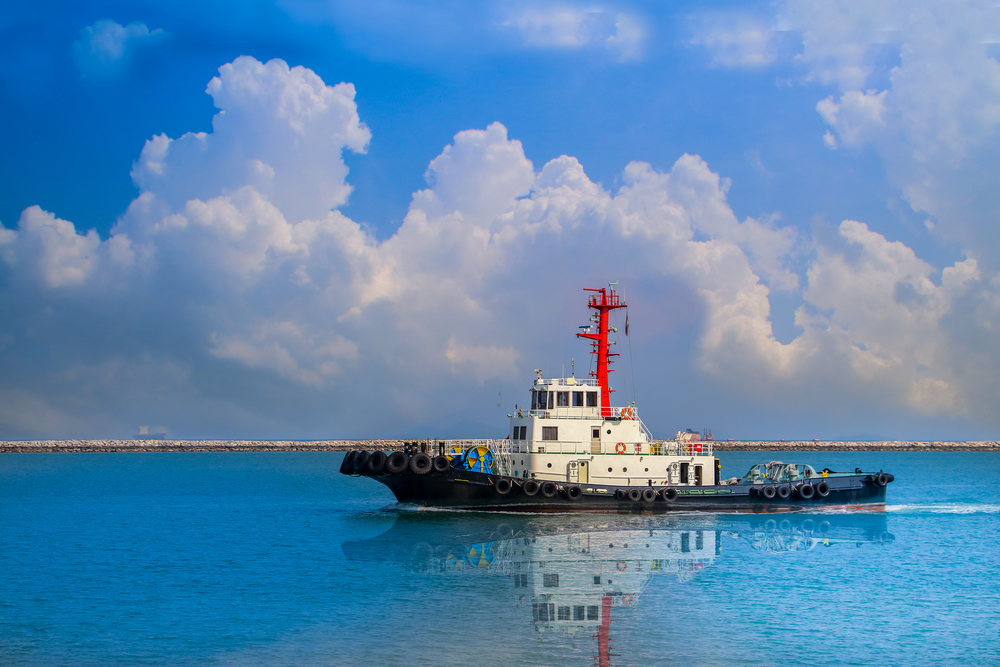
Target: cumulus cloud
105	47
232	297
572	27
300	124
935	123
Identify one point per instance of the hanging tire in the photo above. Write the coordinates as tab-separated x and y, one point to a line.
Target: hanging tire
635	495
768	492
549	489
574	492
360	461
669	494
376	462
822	489
347	465
806	491
502	486
397	463
881	479
441	464
420	463
784	492
530	487
648	495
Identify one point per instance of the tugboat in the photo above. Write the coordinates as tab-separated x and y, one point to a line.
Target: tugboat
572	451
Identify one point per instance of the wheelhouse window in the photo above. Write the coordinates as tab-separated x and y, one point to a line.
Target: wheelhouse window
562	399
541	400
577	399
591	399
550	433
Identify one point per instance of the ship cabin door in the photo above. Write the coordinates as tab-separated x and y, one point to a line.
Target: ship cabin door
697	476
595	440
578	472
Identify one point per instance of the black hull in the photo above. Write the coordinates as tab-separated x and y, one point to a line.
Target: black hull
466	490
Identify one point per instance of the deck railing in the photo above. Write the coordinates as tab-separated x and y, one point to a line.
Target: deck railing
648	448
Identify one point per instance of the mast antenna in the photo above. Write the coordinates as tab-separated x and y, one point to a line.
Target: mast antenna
604	300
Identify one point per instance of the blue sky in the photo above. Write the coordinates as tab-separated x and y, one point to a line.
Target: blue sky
798	199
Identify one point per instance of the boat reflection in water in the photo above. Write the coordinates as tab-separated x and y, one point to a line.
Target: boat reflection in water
576	574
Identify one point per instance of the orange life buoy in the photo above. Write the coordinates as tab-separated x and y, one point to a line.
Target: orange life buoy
620	448
626	413
622	566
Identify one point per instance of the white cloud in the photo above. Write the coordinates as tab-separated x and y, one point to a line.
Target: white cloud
300	124
572	27
857	117
49	250
272	304
105	47
935	124
736	41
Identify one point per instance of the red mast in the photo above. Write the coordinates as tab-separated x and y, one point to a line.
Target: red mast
603	302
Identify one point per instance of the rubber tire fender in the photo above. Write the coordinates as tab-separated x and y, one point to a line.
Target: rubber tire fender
441	463
376	463
669	494
420	463
783	492
806	491
635	495
648	495
822	489
530	487
347	465
397	462
881	479
549	489
574	492
360	461
502	486
768	492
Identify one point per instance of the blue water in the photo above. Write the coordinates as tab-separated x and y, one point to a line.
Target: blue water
277	559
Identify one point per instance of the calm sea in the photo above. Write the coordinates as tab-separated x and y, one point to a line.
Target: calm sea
277	559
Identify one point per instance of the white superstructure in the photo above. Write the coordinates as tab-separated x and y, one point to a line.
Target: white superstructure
563	437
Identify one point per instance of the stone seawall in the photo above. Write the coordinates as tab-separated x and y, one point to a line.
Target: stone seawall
42	446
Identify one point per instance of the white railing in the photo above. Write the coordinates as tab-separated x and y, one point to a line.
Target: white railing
567	413
503	450
568	382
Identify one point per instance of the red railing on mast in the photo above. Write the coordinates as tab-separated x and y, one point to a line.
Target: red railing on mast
604	301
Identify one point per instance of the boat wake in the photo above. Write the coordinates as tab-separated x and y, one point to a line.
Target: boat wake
945	508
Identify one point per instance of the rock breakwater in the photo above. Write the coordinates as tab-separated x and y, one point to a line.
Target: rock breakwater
51	446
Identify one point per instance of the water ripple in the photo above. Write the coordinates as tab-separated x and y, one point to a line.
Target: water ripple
944	508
